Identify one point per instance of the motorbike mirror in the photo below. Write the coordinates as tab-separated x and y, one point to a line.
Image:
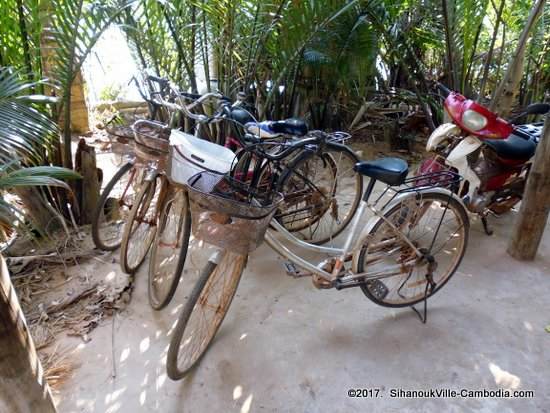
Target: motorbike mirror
533	109
444	89
537	109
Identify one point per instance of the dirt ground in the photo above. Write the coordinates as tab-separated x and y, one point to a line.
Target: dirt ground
288	347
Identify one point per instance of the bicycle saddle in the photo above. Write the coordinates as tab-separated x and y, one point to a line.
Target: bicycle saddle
392	171
272	129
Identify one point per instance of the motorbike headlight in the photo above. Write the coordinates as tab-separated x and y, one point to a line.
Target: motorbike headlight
473	120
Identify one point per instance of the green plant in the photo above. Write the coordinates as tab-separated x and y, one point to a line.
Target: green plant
110	92
25	131
13	176
74	28
26	136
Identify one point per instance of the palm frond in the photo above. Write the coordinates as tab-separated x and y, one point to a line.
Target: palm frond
25	132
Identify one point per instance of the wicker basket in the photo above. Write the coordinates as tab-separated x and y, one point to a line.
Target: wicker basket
229	221
151	142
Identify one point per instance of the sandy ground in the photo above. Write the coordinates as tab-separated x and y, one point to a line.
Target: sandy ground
288	347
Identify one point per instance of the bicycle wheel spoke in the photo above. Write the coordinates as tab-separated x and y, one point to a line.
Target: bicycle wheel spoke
427	223
207	311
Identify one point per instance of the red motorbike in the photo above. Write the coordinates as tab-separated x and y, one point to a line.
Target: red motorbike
492	155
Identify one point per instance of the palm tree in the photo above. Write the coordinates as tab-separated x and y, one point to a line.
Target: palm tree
26	136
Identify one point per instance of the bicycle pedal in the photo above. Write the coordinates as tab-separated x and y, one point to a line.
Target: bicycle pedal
378	289
293	271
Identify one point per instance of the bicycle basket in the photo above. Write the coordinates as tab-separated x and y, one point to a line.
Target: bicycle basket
151	142
152	135
190	155
225	215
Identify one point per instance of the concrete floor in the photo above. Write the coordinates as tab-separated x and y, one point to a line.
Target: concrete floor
288	347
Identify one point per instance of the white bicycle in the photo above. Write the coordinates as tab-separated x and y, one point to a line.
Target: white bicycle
408	250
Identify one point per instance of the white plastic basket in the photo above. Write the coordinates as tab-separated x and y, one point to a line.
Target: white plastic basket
190	155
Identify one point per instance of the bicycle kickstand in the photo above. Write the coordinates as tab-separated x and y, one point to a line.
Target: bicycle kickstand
430	286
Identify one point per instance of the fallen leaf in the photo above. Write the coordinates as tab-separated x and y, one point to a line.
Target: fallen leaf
547	328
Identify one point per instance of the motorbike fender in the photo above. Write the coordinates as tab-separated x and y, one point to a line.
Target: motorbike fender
458	159
363	237
441	133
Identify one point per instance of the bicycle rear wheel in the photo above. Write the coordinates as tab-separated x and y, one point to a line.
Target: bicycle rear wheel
433	221
322	193
113	208
169	249
203	313
140	229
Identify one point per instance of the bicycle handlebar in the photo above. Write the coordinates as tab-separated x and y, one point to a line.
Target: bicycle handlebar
186	109
161	80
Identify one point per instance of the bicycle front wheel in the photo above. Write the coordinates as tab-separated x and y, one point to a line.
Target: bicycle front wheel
203	313
433	222
169	248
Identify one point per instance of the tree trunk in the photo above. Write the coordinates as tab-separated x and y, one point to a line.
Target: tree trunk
508	88
535	206
22	386
80	122
88	187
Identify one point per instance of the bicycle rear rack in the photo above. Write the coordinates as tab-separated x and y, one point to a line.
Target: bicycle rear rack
443	179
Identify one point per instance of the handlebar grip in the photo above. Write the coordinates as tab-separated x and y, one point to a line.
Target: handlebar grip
192	96
157	79
195	96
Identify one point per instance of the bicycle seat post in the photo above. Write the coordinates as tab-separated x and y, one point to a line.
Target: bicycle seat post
369	189
339	263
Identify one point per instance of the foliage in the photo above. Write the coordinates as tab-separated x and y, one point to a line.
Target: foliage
110	92
25	137
316	59
21	26
25	131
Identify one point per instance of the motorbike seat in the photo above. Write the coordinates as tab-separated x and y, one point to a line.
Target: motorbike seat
513	147
241	116
392	171
271	129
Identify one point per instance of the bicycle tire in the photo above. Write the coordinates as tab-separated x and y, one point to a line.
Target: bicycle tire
326	157
184	230
208	272
141	206
100	207
426	195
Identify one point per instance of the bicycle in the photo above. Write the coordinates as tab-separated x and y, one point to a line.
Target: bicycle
170	245
397	259
118	195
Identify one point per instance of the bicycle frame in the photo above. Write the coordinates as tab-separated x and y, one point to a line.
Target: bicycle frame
350	247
